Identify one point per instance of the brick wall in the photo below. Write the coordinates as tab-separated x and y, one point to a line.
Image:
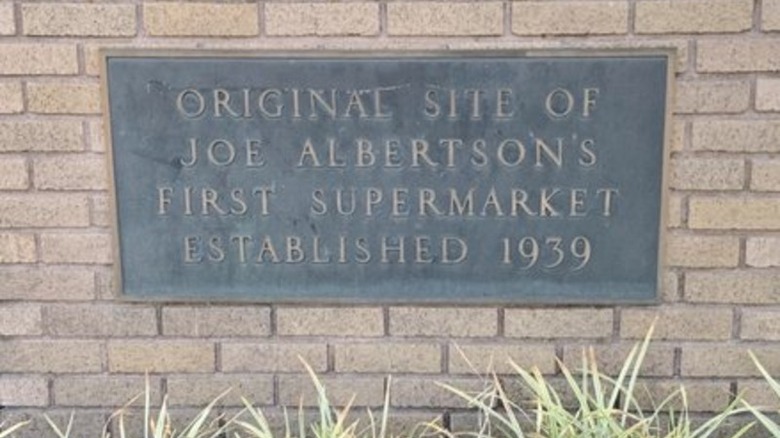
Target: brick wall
66	342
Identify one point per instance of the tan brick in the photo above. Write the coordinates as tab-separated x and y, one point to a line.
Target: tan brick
297	389
700	396
216	321
768	94
763	252
13	173
770	15
38	59
335	321
558	323
160	356
708	174
46	284
90	248
669	287
468	421
200	390
484	359
63	98
757	392
678	134
760	324
765	176
447	18
695	251
693	16
43	210
7	22
569	17
70	19
737	136
748	287
11	101
610	358
407	423
737	55
20	391
50	357
734	213
273	356
732	425
102	391
38	427
299	19
713	360
699	97
105	283
71	172
100	211
97	137
40	136
416	392
20	319
93	59
678	323
455	322
200	19
114	320
17	248
388	358
674	212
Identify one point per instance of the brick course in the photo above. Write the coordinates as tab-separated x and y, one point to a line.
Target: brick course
698	251
50	357
216	321
388	358
41	136
569	18
765	176
38	59
63	98
11	99
558	323
694	16
708	174
321	19
455	322
734	213
442	19
273	356
136	356
64	19
200	19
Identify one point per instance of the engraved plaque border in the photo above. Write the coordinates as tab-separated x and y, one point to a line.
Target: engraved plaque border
669	53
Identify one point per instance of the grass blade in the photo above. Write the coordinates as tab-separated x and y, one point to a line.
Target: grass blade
7	432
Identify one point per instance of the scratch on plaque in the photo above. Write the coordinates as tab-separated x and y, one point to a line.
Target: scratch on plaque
395	87
155	86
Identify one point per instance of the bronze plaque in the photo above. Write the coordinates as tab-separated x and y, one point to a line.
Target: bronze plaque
433	177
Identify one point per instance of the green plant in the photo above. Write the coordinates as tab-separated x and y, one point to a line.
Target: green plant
590	404
331	422
765	420
159	425
4	433
603	406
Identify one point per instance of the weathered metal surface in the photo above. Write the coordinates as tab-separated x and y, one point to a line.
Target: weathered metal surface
457	178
